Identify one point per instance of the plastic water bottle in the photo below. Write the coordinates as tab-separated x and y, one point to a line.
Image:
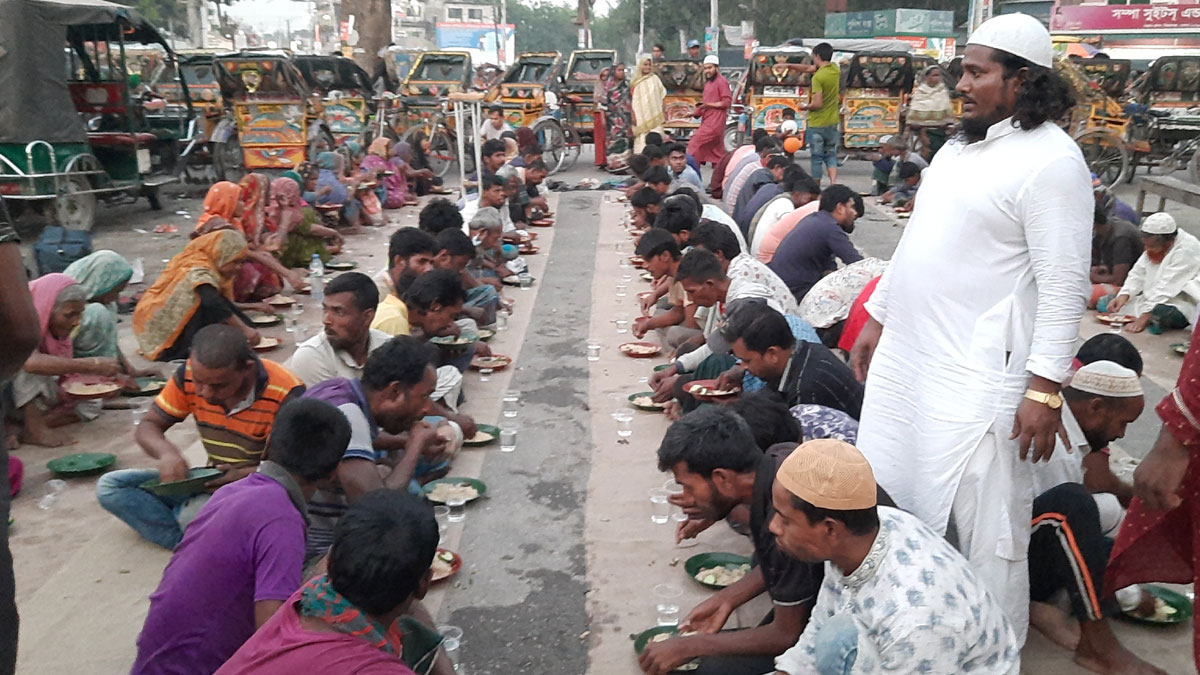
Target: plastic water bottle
316	278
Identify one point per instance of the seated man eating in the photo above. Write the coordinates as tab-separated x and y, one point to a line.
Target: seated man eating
234	397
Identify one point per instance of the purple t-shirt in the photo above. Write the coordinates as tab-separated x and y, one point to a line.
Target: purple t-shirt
284	647
245	546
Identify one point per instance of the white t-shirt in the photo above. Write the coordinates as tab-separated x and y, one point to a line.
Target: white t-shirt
488	131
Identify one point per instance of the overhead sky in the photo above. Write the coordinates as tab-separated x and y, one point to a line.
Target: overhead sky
271	15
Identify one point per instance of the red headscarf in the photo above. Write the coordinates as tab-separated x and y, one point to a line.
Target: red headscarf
45	291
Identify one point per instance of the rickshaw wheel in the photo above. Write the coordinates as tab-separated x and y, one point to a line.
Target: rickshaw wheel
733	137
553	141
1106	154
442	153
227	160
574	145
76	206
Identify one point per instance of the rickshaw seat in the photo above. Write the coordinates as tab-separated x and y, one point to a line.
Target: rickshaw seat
113	139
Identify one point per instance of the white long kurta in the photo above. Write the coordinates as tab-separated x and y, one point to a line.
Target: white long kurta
987	285
1174	281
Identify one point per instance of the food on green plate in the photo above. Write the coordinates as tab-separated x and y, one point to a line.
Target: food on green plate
646	402
1163	612
707	391
446	491
260	318
279	300
480	437
489	361
267	343
663	637
724	575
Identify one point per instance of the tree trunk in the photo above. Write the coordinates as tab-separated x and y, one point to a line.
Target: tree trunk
373	23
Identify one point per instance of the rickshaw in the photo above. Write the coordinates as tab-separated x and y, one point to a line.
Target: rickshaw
873	91
522	92
73	126
487	75
576	94
269	118
341	91
198	69
772	84
1161	130
433	76
398	61
684	82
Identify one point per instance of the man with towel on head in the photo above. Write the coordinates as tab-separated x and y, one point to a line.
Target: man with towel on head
896	596
973	325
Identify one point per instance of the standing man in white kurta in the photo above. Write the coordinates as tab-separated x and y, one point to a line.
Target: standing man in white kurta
973	325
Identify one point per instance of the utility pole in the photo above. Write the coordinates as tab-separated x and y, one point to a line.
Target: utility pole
714	22
641	28
502	48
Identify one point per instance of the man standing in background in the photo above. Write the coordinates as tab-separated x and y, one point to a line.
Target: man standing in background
823	113
708	142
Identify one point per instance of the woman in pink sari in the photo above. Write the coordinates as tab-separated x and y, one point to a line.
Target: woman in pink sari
378	161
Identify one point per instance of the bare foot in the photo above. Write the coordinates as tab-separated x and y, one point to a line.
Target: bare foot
47	438
1100	652
1055	624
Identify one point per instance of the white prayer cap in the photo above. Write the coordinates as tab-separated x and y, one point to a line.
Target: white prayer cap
1108	379
1159	223
712	58
1019	35
892	141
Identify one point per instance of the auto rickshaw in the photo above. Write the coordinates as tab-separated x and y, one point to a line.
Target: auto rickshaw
772	84
269	118
398	61
684	82
73	127
873	92
1159	130
434	76
522	92
342	93
576	94
198	69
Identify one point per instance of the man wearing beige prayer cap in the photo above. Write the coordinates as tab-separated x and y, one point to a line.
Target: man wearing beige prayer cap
973	326
896	596
1069	546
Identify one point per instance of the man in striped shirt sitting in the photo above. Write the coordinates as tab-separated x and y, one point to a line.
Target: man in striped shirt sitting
234	397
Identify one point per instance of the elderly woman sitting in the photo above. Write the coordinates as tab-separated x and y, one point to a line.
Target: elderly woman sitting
103	275
335	188
1164	284
37	397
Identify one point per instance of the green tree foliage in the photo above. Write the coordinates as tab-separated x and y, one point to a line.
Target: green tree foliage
164	12
543	26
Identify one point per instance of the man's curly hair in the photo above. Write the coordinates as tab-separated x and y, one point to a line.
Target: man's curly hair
1043	96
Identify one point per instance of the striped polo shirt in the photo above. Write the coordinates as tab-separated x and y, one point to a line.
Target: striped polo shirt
231	438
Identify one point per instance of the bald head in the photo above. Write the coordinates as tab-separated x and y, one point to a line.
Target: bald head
220	346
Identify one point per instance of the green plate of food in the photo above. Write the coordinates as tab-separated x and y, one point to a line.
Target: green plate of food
81	464
662	634
515	280
1180	347
644	400
485	334
662	366
147	386
263	319
340	265
484	434
453	343
192	485
1169	607
443	489
717	570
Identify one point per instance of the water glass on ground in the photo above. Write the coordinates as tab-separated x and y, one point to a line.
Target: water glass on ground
621	320
666	603
501	320
593	349
53	488
660	509
451	642
485	374
512	402
508	436
526	281
674	489
622	290
458	510
137	409
624	421
441	513
298	308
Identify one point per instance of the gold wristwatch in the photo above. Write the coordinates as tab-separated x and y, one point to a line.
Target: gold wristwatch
1053	400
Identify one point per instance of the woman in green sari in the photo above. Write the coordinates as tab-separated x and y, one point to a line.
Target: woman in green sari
102	275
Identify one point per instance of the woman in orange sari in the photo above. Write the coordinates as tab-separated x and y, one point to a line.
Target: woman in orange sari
242	208
195	290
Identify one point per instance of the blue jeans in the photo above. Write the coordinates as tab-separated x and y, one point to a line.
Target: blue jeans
155	518
823	141
836	646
